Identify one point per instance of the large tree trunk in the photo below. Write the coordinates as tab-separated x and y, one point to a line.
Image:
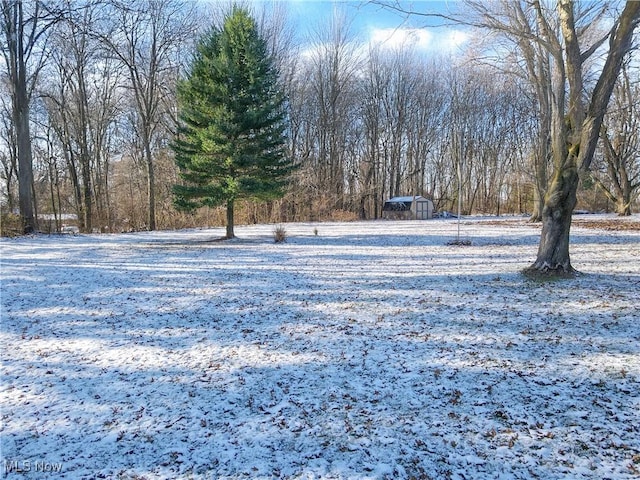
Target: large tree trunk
560	200
230	233
538	202
85	156
25	168
623	209
87	193
151	182
625	194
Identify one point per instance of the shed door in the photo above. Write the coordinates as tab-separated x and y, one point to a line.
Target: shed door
422	210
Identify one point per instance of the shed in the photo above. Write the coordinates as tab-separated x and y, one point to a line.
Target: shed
408	208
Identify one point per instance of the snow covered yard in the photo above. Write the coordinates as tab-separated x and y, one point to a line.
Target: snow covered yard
369	350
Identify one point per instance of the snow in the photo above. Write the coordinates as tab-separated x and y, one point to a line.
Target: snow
371	350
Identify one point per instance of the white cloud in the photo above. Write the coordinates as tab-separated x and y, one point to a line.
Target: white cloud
401	37
443	40
453	39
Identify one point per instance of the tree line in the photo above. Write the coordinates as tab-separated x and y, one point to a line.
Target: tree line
90	109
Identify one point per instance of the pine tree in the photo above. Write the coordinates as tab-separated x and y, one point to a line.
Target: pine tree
231	139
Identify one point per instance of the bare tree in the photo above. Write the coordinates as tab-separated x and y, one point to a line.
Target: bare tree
58	101
575	135
567	34
328	107
402	106
618	171
23	25
145	35
372	169
80	96
73	57
8	153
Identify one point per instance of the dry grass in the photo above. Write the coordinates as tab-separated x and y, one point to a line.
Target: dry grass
279	234
612	224
609	223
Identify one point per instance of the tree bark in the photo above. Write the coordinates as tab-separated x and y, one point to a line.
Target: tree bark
25	167
230	233
553	250
151	188
83	138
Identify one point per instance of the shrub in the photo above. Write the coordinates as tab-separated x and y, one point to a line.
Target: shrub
279	234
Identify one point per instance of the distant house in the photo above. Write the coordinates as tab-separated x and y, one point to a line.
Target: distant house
408	208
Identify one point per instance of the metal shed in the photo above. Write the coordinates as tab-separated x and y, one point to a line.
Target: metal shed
408	208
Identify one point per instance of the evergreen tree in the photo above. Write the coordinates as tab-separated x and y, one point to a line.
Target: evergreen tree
231	139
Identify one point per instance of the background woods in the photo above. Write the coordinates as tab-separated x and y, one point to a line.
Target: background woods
89	110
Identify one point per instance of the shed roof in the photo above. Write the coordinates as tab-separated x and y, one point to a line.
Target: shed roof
407	199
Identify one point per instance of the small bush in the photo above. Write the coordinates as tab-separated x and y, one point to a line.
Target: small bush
279	234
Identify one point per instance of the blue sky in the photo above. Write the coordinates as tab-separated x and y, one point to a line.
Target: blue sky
371	22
